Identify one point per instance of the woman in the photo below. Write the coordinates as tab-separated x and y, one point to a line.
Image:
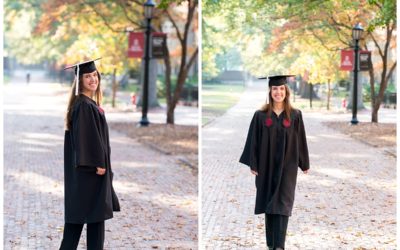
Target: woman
275	147
89	195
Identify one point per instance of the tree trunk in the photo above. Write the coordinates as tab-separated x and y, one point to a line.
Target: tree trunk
329	95
114	87
378	101
167	62
170	115
374	115
384	54
382	88
372	84
179	86
185	64
374	112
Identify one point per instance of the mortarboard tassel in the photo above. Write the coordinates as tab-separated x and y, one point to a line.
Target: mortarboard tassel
77	81
267	89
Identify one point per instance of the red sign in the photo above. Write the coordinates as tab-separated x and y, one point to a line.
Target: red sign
136	45
346	60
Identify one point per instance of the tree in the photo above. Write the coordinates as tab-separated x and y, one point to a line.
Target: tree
386	22
296	34
333	20
58	29
19	28
186	60
70	32
233	26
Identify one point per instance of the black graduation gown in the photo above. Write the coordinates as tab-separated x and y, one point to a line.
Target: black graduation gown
89	197
276	151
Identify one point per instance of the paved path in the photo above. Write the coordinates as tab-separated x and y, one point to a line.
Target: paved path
347	201
158	197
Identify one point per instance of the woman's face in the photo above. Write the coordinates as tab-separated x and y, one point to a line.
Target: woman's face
90	82
278	93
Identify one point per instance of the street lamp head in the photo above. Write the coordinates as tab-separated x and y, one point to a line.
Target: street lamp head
357	31
148	9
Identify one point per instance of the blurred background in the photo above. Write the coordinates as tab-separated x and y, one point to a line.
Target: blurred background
42	37
243	40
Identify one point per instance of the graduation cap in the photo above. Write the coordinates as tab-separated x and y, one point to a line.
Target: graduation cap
83	68
276	80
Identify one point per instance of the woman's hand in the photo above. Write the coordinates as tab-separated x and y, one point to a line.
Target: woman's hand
306	171
254	172
100	171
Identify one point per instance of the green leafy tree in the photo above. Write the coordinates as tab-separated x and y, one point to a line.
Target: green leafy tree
331	22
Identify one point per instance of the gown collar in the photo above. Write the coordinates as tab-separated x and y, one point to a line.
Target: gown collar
87	98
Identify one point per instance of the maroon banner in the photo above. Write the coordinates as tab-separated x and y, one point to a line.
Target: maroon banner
347	60
136	45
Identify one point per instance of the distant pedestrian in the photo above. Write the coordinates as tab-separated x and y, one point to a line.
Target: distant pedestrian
89	195
275	147
28	78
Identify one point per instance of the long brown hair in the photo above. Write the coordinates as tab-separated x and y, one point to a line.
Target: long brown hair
98	96
267	107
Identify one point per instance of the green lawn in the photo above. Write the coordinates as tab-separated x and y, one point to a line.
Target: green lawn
217	99
130	88
6	79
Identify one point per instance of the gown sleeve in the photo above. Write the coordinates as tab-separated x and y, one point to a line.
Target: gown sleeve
251	149
87	139
304	162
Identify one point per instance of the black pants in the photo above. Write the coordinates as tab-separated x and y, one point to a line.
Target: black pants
94	233
275	230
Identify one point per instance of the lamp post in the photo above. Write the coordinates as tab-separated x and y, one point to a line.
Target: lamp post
356	34
148	14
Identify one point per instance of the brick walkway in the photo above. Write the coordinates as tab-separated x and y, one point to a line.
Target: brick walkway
158	197
347	201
